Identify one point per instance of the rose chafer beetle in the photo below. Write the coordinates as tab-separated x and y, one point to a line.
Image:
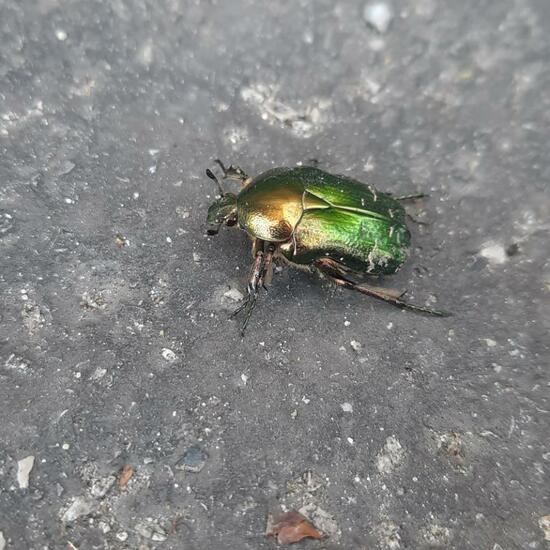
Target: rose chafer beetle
308	217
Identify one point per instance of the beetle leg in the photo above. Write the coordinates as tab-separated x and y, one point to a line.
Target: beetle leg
259	274
265	271
417	222
233	172
267	268
257	245
411	197
376	292
392	298
252	287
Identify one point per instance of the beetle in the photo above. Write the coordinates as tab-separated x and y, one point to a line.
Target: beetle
310	218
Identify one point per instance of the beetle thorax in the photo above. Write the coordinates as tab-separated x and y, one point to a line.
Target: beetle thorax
270	213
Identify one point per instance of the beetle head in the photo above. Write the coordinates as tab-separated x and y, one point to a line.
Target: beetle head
223	211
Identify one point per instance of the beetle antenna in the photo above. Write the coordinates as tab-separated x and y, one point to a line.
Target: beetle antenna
221	165
213	177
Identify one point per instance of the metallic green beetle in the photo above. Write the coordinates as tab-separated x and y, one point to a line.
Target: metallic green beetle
309	217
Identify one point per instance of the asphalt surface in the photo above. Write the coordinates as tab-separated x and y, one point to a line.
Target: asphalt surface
387	429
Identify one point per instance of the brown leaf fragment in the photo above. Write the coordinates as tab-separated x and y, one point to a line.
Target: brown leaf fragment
291	527
124	476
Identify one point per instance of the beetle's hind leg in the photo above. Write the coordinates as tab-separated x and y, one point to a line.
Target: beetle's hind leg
416	220
413	197
387	295
233	172
259	275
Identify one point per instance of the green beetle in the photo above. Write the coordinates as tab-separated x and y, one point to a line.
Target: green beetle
308	217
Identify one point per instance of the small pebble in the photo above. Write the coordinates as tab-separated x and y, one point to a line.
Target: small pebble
196	257
234	294
100	487
378	15
2	541
80	506
347	407
495	253
104	526
99	373
193	460
391	456
356	346
182	213
122	536
151	530
121	240
61	35
169	355
24	467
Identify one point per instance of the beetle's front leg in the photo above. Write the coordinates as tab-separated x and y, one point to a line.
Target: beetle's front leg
255	271
260	272
233	173
267	268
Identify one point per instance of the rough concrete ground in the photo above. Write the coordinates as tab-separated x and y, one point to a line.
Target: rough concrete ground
393	430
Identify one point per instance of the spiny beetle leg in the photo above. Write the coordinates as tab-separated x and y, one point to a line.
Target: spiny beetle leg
261	268
412	197
376	292
418	222
254	284
267	268
233	172
240	308
391	299
252	287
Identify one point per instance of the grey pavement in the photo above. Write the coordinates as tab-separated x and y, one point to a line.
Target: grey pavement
387	429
